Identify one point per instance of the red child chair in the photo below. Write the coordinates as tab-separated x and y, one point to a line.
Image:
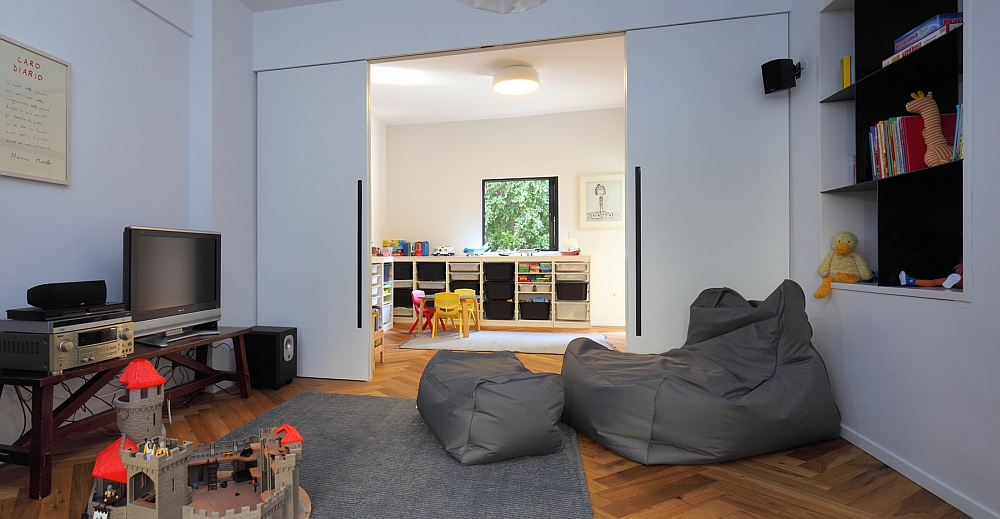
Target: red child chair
417	296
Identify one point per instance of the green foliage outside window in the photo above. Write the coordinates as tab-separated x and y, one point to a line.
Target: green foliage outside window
516	213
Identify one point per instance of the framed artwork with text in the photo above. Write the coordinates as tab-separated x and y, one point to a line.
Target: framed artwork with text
34	125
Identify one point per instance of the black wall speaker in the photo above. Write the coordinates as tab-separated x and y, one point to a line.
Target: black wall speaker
271	355
779	74
59	296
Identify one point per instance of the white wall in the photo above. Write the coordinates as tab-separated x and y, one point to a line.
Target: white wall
233	179
349	30
377	178
129	150
131	132
916	379
441	166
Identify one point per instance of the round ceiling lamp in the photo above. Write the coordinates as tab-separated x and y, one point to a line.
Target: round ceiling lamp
515	80
503	6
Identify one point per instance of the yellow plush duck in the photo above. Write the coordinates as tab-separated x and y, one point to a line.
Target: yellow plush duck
842	264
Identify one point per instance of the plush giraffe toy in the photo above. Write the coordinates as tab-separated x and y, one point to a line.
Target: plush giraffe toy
938	151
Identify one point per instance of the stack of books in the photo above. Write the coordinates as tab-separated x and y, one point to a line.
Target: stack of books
896	145
847	71
923	34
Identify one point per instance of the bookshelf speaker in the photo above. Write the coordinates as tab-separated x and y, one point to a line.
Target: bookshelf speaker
779	74
271	355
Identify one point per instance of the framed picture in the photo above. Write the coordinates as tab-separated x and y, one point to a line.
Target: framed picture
602	201
35	118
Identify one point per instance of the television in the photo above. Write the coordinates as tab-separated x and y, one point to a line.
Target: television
172	283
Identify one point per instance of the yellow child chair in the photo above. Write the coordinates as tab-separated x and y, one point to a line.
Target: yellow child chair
472	306
447	305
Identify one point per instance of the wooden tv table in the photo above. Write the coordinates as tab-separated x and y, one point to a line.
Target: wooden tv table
34	448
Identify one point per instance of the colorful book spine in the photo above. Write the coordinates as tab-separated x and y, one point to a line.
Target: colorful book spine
957	146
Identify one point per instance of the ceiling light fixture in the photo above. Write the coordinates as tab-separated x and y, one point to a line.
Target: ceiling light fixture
515	80
503	6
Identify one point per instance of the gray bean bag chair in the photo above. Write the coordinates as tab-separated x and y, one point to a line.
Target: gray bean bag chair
748	381
486	407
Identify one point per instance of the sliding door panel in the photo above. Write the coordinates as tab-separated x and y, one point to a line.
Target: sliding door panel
713	153
312	213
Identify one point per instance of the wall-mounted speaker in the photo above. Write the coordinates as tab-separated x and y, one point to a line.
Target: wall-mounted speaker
271	355
780	74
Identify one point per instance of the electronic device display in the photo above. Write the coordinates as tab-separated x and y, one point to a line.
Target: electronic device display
54	346
171	282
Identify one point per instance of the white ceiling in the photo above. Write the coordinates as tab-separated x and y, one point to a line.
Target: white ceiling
269	5
574	76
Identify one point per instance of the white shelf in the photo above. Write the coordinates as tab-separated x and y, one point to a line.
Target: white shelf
921	292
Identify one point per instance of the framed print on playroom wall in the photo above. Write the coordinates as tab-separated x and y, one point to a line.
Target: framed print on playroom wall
602	201
35	127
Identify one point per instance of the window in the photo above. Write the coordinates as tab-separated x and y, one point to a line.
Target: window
521	213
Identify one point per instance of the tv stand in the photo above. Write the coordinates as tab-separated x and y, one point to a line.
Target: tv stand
161	340
50	425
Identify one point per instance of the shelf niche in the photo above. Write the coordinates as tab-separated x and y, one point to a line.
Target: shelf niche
913	221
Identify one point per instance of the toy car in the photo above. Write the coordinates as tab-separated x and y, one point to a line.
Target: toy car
444	251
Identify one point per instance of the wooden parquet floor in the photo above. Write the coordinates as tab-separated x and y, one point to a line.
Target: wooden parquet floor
831	479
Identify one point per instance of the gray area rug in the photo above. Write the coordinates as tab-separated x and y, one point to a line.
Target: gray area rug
492	340
366	456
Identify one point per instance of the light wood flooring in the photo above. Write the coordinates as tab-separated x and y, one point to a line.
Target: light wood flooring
831	479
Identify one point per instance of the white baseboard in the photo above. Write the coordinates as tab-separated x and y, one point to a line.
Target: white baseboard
945	492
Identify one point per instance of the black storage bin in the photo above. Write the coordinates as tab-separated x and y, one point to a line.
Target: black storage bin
455	285
402	271
430	271
498	310
572	291
401	298
534	310
498	271
498	289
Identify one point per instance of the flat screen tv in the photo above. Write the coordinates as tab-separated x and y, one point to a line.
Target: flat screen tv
172	283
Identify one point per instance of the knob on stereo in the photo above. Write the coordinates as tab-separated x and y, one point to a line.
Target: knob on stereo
65	346
125	334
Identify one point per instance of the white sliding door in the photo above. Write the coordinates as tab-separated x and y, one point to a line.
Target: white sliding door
713	153
312	214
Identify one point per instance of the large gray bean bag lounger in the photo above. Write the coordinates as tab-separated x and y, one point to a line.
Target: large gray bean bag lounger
487	407
748	381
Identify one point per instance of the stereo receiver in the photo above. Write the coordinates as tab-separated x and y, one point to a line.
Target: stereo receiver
53	346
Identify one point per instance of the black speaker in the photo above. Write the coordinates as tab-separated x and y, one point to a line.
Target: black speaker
59	296
271	355
779	74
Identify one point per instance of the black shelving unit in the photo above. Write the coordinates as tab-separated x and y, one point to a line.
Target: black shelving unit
920	216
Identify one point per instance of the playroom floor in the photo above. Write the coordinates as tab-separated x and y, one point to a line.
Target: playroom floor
831	479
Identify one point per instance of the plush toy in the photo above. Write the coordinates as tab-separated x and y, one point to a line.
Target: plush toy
953	280
938	151
842	264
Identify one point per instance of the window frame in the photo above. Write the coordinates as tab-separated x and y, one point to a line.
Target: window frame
553	207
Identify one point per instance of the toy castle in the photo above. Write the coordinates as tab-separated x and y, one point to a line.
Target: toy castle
166	479
140	409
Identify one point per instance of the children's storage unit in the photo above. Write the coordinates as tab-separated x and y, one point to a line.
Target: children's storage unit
514	290
382	291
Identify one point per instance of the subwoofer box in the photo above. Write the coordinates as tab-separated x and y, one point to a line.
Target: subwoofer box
271	355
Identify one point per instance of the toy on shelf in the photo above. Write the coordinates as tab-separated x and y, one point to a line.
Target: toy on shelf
954	280
842	264
938	151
